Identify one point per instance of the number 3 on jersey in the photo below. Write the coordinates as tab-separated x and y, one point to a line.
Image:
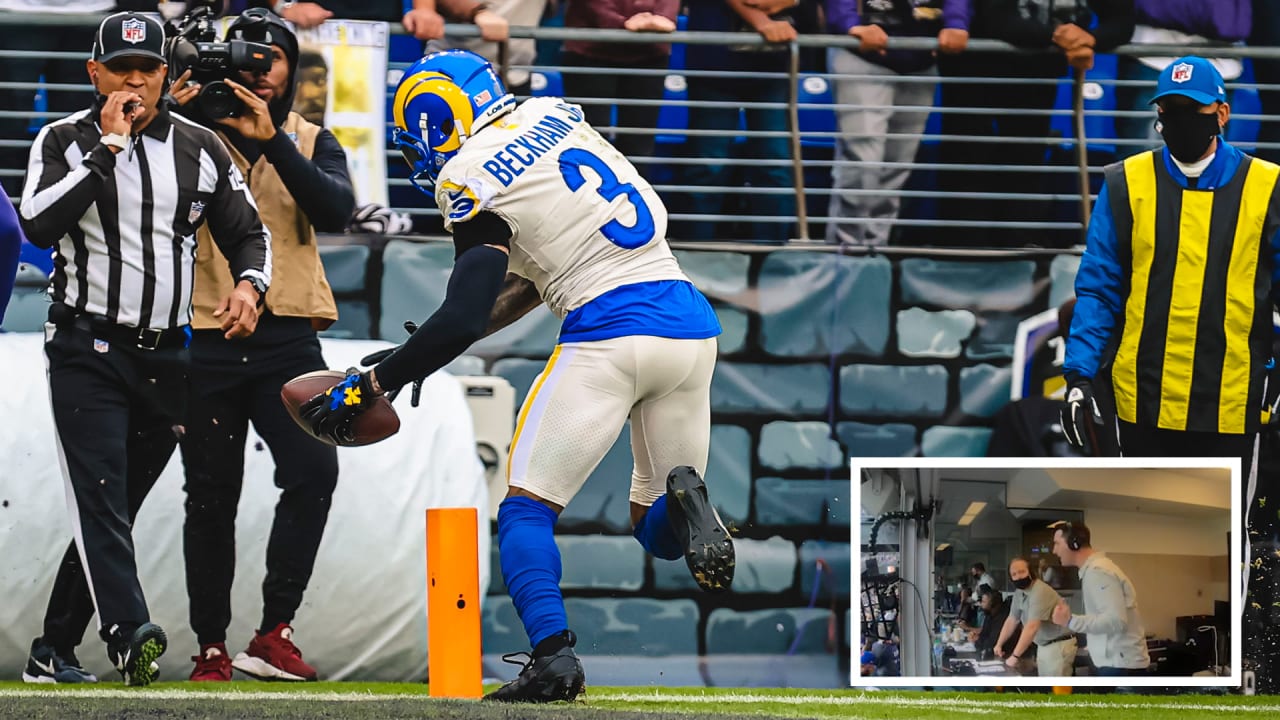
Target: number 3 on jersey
629	237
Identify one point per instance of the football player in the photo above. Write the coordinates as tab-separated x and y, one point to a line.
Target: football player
543	209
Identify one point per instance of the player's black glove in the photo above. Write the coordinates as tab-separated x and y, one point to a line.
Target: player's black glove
1081	418
376	357
330	413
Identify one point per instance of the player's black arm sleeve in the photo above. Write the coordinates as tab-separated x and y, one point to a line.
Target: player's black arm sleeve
322	185
462	318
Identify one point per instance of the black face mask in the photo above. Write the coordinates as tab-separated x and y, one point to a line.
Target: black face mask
1188	134
1022	583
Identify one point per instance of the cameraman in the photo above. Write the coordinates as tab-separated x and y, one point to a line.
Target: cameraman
297	173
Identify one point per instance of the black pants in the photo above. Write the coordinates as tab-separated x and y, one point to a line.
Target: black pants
623	87
115	408
232	385
1036	94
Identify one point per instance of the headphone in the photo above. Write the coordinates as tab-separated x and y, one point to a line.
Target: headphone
1069	535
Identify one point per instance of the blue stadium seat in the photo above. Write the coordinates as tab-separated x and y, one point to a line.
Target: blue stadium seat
1244	101
1097	128
672	117
404	49
546	83
815	89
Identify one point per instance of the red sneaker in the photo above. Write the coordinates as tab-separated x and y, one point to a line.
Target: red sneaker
273	656
212	664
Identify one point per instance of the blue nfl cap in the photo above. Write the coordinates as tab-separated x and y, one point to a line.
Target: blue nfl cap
1192	77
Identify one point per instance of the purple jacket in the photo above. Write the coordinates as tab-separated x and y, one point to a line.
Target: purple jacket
897	20
843	14
1228	20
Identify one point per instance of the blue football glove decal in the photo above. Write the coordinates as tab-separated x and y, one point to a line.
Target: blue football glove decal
329	414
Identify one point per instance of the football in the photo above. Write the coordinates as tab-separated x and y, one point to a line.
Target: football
378	422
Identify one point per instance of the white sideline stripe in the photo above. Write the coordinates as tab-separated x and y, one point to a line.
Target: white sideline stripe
854	698
954	704
175	694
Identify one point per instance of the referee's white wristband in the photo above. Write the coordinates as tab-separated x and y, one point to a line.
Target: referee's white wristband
116	140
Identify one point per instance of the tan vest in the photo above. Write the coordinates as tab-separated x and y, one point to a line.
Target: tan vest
298	285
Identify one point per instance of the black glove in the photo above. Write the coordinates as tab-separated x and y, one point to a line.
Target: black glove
1081	418
376	357
330	413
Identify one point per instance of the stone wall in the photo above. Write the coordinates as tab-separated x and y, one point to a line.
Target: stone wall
823	357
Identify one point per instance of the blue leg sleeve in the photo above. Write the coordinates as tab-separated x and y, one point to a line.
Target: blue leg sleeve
531	565
655	534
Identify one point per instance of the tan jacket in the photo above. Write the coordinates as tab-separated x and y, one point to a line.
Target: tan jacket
298	285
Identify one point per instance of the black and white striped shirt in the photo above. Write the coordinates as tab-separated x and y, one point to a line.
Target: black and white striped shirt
125	224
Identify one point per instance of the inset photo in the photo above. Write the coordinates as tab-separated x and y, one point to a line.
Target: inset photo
1041	572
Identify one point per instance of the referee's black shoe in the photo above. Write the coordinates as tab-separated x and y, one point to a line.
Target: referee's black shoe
46	665
134	652
708	549
545	678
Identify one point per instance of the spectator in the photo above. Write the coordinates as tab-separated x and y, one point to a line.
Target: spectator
298	174
493	20
1058	27
777	21
34	39
421	20
1187	23
1266	71
656	16
874	86
121	312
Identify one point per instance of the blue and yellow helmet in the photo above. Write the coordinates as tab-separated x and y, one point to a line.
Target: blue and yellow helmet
443	99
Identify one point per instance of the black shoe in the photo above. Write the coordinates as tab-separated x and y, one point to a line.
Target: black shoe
134	653
45	665
544	679
708	549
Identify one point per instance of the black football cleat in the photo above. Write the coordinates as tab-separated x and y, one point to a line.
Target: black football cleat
544	679
134	654
708	549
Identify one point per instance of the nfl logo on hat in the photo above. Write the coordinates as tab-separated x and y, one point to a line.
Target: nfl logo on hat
133	30
1181	73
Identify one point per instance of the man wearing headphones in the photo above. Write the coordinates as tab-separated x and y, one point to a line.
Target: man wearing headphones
1116	639
1033	605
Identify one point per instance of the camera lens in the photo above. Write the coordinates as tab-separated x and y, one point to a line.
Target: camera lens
217	100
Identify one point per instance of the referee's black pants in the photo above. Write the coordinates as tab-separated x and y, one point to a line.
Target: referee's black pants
116	408
234	384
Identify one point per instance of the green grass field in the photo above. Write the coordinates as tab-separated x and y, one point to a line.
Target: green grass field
361	701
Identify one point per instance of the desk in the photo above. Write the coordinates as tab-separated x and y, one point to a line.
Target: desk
966	663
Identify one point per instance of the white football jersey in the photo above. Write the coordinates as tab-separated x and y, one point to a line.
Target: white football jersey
583	220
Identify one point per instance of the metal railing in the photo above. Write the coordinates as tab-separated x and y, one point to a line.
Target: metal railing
810	131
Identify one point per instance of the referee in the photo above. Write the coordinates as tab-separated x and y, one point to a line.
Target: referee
119	189
1181	267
